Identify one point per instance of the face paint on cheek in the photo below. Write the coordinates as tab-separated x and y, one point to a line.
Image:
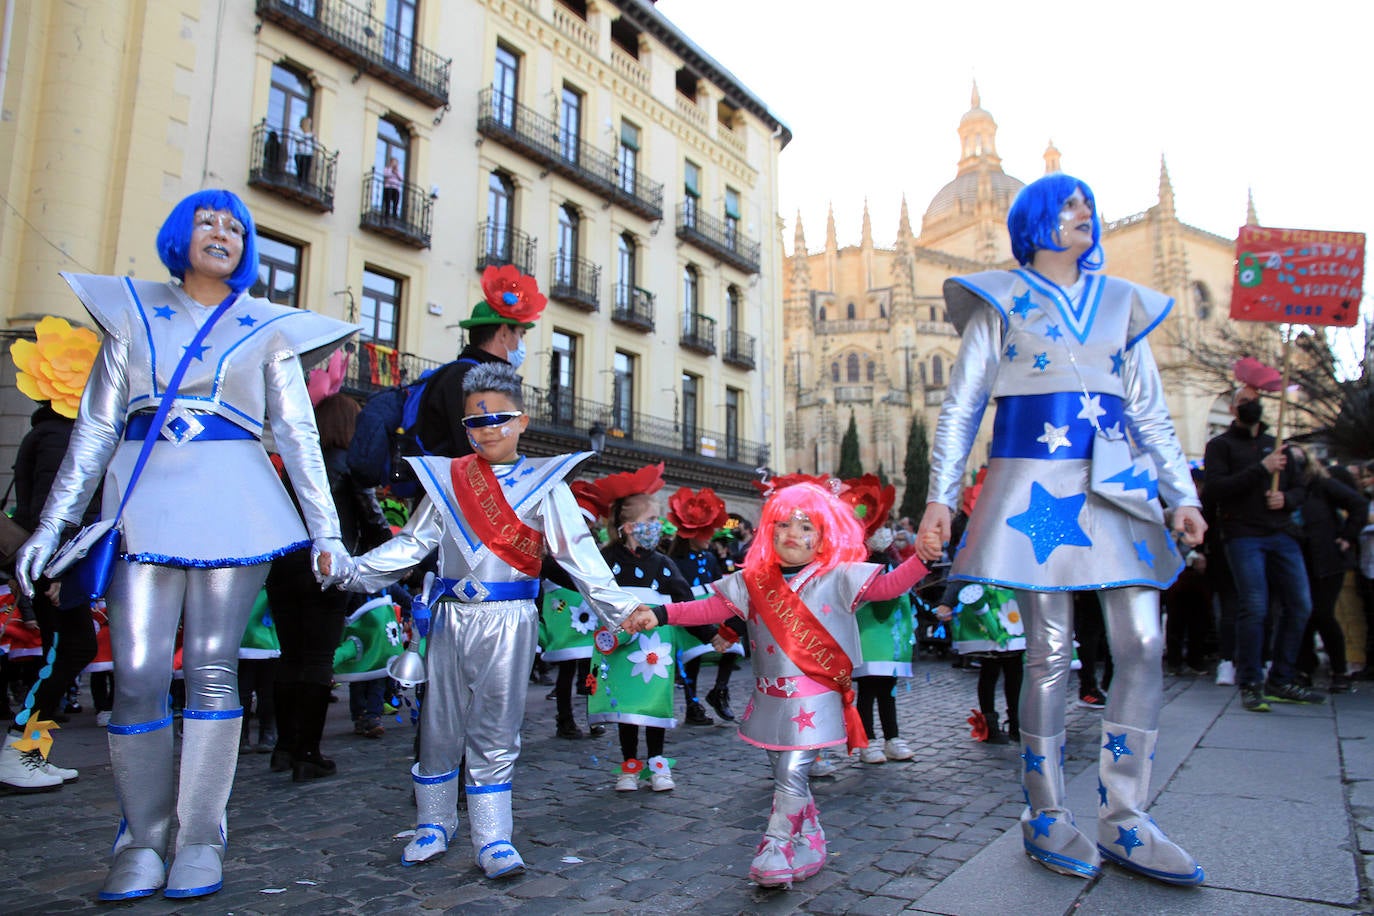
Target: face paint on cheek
505	432
807	543
476	446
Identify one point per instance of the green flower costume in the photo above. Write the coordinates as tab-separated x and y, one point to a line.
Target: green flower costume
566	624
987	619
634	684
886	635
372	637
260	636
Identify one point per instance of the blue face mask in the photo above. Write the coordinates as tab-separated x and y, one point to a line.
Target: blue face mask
517	356
646	534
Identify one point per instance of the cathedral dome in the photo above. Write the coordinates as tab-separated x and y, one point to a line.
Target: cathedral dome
963	191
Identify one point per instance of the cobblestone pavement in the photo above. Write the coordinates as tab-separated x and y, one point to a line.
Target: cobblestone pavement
330	845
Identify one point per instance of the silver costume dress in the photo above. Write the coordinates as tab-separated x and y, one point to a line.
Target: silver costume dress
205	518
481	643
1055	360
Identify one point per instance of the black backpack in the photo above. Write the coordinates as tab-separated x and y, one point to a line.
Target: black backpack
385	437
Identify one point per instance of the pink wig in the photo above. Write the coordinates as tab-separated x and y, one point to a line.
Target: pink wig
840	537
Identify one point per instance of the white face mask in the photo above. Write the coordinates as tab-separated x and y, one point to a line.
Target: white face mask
517	356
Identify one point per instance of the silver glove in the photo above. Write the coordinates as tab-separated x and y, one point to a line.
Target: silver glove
341	565
35	553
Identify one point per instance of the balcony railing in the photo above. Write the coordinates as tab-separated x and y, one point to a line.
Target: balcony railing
499	244
375	368
739	349
404	214
575	281
292	166
698	333
375	48
634	307
511	124
717	238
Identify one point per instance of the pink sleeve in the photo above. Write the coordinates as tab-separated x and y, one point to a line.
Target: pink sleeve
896	582
703	610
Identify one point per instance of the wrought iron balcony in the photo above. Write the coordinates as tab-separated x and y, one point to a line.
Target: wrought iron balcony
575	281
717	238
376	367
542	140
499	244
292	166
353	35
634	307
405	215
739	349
698	333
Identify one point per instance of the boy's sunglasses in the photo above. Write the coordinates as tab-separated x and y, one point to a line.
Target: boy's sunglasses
483	420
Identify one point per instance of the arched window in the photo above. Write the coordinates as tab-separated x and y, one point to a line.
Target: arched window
849	311
937	371
820	314
1202	300
851	366
872	370
834	372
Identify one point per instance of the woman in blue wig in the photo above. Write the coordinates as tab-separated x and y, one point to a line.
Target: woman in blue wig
1069	505
203	518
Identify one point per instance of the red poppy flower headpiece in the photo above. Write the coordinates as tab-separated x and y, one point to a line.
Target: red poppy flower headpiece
871	500
770	485
589	500
606	490
511	298
697	514
1252	372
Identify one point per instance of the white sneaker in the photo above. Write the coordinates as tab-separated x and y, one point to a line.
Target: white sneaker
873	753
62	773
897	749
662	782
102	718
25	771
823	766
1226	673
627	782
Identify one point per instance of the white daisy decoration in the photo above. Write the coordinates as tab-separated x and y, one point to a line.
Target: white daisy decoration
1010	616
393	633
653	658
583	620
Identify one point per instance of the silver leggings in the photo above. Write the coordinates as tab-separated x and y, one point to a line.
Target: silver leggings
145	602
792	771
1132	619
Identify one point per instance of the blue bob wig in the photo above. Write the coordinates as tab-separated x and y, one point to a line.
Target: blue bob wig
1033	219
174	238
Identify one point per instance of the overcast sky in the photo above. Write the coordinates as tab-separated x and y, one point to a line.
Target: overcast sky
1264	95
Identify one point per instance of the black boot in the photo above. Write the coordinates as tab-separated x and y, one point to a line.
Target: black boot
567	728
312	706
1013	725
288	730
995	733
696	714
719	698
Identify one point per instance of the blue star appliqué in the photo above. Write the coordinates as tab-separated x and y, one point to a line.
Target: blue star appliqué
164	311
1053	332
247	321
1128	840
1040	824
1142	553
1050	521
1118	360
1021	305
1117	745
1011	352
1041	361
1033	760
1102	792
199	352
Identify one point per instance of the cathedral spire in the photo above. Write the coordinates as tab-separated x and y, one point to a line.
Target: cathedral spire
832	250
977	137
904	234
1251	217
831	244
799	239
1166	189
976	101
866	238
1052	159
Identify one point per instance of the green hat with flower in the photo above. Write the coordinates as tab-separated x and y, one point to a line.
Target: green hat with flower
511	298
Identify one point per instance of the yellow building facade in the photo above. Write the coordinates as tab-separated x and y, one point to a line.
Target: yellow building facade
392	150
867	332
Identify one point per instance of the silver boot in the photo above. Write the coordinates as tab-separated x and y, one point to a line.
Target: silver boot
489	819
1125	833
774	862
808	843
141	761
436	818
209	757
1048	831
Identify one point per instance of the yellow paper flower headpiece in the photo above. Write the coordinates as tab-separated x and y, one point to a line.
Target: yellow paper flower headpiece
55	366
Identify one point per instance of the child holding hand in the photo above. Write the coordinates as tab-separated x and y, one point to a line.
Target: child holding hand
801	581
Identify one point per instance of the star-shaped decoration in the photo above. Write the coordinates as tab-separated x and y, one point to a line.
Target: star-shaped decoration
1052	332
247	321
1128	840
509	480
817	841
164	311
1102	792
1055	437
198	352
1117	745
36	737
1092	408
1118	360
1011	352
772	649
1142	553
1051	521
797	819
1040	824
803	718
1034	761
789	686
1021	305
826	609
748	711
1041	361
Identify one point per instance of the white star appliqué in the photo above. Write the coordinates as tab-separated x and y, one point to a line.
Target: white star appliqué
1092	408
1055	437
